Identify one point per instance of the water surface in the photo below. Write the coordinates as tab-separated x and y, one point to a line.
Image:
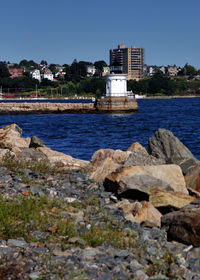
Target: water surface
80	135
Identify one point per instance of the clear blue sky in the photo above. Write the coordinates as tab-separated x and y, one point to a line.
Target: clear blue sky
62	30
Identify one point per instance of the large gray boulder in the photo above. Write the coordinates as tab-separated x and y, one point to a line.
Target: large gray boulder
184	225
141	157
164	145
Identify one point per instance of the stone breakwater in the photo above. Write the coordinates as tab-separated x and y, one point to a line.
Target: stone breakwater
102	105
45	108
124	215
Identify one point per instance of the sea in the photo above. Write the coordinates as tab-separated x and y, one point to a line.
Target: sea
80	135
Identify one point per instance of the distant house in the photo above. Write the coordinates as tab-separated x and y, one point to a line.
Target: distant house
15	72
60	72
35	74
172	70
47	74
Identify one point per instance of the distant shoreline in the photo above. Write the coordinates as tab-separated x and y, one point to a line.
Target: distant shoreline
172	96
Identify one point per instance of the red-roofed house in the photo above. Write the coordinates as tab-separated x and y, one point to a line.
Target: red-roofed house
15	72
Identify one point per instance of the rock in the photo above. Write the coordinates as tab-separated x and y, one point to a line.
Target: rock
10	136
17	242
167	201
133	182
31	154
184	225
135	147
107	167
193	178
63	159
6	152
62	253
166	146
141	211
36	142
141	157
106	161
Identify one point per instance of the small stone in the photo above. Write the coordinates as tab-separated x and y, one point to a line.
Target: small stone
34	275
76	240
113	198
70	199
17	243
62	253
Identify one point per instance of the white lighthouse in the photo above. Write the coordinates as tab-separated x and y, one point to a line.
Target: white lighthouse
116	85
117	98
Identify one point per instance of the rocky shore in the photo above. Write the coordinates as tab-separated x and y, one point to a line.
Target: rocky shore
124	215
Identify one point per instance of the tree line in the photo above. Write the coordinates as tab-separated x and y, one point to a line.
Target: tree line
77	82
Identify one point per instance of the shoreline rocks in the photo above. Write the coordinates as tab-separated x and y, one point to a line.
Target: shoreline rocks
139	202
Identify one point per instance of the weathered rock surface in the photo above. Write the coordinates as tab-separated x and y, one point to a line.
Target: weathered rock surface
184	225
12	143
140	212
105	161
140	156
166	146
36	142
193	178
133	182
10	136
135	147
30	154
167	201
65	160
5	152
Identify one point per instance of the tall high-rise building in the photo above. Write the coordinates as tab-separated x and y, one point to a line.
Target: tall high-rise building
131	60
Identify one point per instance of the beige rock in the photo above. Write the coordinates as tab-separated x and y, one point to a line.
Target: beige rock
141	212
5	152
65	160
168	199
107	167
137	179
100	155
105	161
10	136
136	146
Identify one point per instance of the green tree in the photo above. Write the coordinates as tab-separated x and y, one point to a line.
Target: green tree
189	70
4	73
43	62
100	64
52	67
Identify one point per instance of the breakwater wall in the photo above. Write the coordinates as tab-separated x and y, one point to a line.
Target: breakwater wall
100	106
45	108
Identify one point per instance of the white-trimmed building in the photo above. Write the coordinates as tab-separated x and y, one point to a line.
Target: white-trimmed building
35	74
116	85
47	74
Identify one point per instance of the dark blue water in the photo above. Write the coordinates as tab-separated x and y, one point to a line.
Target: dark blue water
80	135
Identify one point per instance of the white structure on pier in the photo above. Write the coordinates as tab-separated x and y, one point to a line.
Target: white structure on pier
116	86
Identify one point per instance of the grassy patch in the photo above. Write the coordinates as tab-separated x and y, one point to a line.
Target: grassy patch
42	166
22	216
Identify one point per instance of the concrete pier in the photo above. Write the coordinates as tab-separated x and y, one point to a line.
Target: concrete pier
46	108
107	104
